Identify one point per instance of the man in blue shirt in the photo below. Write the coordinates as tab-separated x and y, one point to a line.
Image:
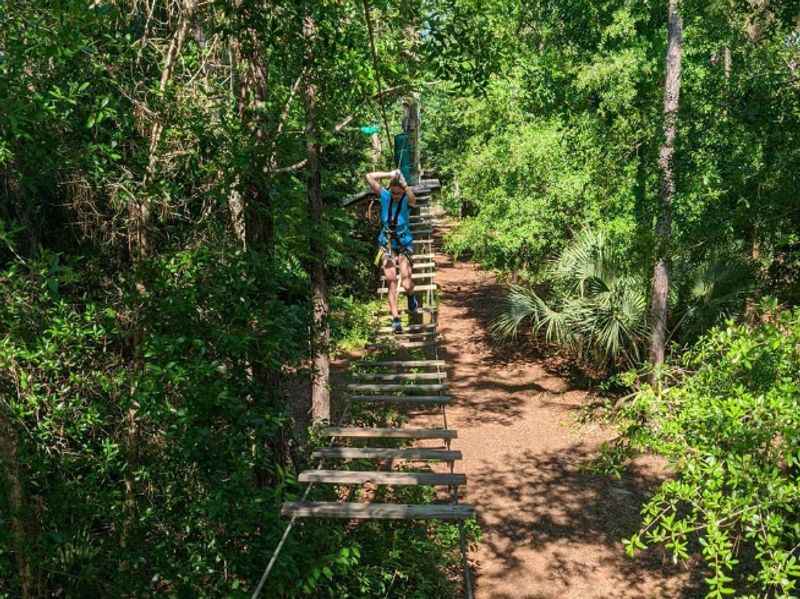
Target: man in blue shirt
395	237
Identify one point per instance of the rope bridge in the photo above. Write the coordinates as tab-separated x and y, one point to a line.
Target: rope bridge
404	381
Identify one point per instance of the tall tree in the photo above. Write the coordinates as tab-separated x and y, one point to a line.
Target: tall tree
672	89
320	333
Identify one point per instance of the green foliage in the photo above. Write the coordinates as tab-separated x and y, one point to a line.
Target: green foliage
595	310
731	431
201	416
155	298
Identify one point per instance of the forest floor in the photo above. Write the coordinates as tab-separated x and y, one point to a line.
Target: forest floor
551	529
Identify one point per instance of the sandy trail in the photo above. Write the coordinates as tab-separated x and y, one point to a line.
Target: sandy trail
550	529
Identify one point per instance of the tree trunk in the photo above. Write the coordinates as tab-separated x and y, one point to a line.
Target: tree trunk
672	88
17	506
320	334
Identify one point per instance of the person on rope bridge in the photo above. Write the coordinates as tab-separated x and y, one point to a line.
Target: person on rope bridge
395	239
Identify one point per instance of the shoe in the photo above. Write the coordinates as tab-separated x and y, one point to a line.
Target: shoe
397	326
413	304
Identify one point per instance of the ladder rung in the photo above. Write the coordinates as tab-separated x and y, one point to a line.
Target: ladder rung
390	433
349	477
389	387
404	364
431	287
408	335
405	376
426	310
408	331
417	276
433	400
377	511
402	344
387	453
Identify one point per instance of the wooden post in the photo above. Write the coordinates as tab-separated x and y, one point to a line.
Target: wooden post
411	126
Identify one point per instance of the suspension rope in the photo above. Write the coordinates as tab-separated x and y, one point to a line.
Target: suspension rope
290	526
368	19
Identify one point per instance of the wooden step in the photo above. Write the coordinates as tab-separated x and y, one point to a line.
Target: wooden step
404	364
424	256
408	335
423	400
425	310
413	328
430	183
421	265
390	387
404	376
387	453
377	511
348	477
417	288
416	276
390	433
385	343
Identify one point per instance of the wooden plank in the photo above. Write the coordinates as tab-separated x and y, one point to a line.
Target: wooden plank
404	376
349	477
387	453
390	433
377	511
428	400
389	387
421	265
385	343
426	310
414	328
404	364
416	276
409	335
417	288
430	183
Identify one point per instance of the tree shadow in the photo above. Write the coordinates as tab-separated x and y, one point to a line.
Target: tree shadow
546	501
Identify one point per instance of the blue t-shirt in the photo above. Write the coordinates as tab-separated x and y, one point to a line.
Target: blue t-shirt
402	230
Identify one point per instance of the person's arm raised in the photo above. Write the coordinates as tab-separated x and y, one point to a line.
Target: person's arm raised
412	199
374	180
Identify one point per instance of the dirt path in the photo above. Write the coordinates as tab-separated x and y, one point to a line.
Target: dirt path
550	529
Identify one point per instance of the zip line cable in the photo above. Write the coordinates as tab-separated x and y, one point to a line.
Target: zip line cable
368	19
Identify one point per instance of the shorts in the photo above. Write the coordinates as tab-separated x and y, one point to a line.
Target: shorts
407	251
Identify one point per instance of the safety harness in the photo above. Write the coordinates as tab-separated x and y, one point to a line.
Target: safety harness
390	232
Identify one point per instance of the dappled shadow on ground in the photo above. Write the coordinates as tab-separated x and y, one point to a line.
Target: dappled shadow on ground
548	505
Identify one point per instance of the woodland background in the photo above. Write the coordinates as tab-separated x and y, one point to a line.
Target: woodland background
171	175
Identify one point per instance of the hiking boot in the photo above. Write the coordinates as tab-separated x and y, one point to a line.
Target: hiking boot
397	326
413	303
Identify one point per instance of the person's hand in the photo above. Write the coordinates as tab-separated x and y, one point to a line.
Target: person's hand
398	174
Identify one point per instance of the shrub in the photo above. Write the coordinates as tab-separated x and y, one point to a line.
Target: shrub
731	431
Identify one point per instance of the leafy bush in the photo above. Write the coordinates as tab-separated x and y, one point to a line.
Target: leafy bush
594	309
731	432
